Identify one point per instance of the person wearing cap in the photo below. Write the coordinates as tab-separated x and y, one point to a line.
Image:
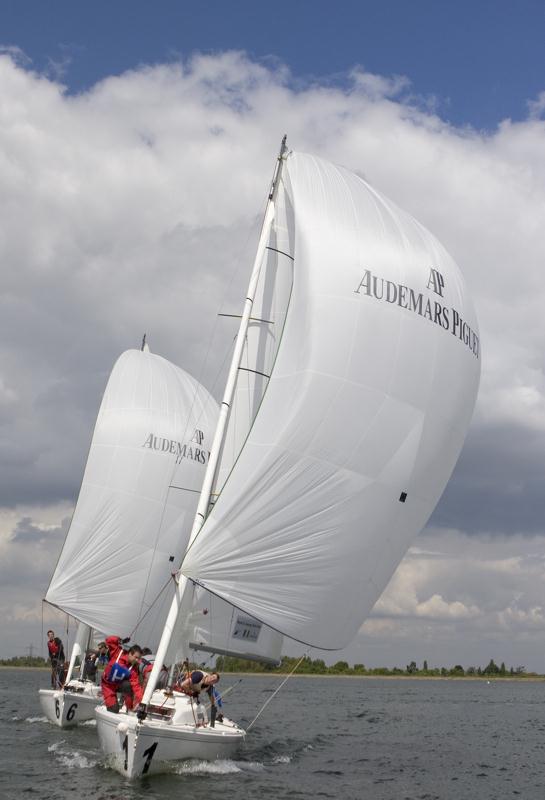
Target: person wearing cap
93	660
198	681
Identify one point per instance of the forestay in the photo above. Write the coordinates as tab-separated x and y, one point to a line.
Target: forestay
361	422
138	497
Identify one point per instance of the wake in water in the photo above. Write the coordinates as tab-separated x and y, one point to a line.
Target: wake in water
36	719
281	760
221	767
71	758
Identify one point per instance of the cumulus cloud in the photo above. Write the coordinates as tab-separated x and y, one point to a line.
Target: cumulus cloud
135	206
26	531
473	599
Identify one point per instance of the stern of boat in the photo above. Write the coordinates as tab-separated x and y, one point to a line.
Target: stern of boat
70	706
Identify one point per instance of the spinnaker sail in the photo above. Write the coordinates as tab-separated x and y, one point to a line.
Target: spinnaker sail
138	498
367	398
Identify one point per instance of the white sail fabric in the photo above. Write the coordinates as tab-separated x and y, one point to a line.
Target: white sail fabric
262	340
213	626
362	420
138	498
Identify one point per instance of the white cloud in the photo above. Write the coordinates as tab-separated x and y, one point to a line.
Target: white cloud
377	87
473	599
134	207
537	107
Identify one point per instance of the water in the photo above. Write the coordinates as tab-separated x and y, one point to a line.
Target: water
340	738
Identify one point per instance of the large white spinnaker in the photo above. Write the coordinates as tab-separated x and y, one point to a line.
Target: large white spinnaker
362	419
138	498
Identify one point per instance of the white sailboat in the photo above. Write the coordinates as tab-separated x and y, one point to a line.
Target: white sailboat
133	516
351	389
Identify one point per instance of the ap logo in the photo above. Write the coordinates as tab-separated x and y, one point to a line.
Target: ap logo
436	282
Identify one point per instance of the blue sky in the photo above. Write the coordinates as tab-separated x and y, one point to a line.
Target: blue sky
481	61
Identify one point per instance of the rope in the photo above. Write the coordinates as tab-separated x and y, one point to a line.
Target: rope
266	703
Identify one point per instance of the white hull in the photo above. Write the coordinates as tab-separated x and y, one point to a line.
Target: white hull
68	707
135	749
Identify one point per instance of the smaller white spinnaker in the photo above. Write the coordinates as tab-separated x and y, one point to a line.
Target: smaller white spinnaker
138	496
132	520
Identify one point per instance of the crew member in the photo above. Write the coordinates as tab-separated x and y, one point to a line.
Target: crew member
121	677
198	681
56	656
93	660
145	667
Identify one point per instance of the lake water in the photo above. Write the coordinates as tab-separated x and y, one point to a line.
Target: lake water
350	738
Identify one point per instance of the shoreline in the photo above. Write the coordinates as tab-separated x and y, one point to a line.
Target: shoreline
487	678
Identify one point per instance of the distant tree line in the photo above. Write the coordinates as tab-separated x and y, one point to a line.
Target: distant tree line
317	666
24	661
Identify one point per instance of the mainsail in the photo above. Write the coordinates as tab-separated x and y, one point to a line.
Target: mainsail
212	626
138	498
363	402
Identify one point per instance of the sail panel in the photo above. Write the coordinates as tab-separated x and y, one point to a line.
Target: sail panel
262	339
138	497
362	421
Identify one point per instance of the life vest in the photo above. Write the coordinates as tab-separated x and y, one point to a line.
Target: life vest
54	648
116	672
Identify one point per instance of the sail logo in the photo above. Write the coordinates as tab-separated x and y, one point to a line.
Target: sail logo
198	438
436	282
171	446
246	628
447	318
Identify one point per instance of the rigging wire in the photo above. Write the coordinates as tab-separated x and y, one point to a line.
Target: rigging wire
141	619
42	639
268	700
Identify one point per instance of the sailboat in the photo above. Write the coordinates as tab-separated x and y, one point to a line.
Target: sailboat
352	385
133	516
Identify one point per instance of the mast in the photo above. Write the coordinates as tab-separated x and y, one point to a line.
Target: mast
206	491
79	649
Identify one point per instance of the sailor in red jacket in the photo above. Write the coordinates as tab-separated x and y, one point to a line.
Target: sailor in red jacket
121	676
56	656
115	646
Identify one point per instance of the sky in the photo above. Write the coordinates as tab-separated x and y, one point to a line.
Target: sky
136	146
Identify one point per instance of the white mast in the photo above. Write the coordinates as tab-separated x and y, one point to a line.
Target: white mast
204	499
78	651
